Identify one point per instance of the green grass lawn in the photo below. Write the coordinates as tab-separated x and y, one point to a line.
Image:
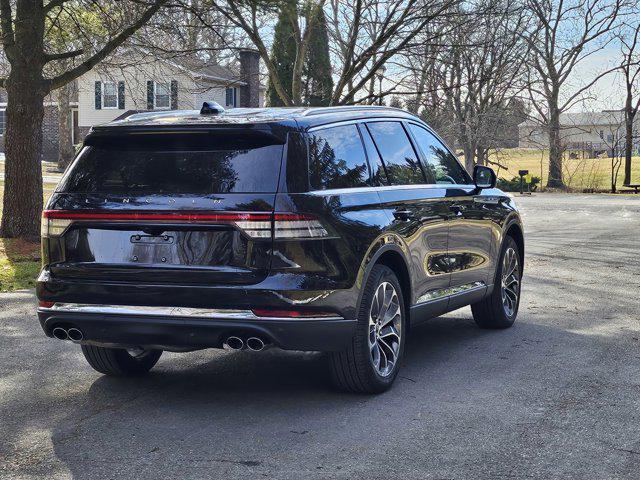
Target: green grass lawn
19	264
579	174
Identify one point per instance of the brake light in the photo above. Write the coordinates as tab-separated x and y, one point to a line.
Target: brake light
267	312
296	226
53	227
255	225
45	304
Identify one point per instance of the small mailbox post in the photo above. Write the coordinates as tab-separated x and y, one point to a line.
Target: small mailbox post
522	173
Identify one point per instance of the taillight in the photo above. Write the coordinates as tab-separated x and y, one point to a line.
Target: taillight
296	226
255	225
53	227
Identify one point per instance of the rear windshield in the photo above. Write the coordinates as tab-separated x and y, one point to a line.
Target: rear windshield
134	171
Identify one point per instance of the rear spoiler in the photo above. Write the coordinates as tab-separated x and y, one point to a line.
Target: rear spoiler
186	136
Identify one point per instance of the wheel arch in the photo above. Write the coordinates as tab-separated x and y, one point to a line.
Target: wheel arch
514	230
392	257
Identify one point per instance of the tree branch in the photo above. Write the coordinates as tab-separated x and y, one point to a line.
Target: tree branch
53	4
62	56
109	48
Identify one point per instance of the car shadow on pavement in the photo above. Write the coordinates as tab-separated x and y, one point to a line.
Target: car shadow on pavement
229	408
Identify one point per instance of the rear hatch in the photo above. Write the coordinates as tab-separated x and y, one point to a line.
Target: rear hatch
172	207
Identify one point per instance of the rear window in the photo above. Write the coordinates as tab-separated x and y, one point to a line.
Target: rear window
337	158
134	171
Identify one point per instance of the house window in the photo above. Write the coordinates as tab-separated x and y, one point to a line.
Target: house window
230	95
162	95
109	95
2	122
602	134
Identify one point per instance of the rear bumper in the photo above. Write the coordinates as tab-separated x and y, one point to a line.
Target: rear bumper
186	330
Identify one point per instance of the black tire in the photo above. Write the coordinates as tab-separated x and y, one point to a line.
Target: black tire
353	369
118	362
491	311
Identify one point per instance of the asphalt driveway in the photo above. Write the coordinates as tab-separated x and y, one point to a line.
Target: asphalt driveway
556	396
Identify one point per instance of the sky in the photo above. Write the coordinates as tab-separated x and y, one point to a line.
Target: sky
608	93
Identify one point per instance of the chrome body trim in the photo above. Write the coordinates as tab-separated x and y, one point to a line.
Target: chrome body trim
213	313
449	292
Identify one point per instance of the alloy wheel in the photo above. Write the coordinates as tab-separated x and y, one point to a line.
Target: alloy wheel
385	329
510	281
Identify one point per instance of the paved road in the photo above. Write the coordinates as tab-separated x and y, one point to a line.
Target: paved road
554	397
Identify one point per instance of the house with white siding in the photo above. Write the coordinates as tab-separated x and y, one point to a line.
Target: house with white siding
596	132
136	82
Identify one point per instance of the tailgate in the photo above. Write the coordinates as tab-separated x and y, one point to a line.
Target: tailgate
182	216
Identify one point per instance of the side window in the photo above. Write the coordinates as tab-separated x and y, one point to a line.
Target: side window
379	174
397	153
439	161
337	158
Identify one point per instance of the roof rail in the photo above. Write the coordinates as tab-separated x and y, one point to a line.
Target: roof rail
349	108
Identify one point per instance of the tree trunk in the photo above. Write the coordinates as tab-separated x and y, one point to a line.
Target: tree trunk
555	151
26	90
23	146
628	139
469	155
481	157
65	142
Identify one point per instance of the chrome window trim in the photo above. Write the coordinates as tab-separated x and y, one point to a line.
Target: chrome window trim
432	186
338	191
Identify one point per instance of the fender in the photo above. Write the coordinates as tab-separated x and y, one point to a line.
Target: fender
512	219
382	245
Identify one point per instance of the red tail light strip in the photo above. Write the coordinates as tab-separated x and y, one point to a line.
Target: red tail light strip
254	224
159	216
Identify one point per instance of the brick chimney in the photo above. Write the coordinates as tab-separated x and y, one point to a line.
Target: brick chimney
250	74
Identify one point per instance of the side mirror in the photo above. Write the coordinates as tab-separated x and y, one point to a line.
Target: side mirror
484	177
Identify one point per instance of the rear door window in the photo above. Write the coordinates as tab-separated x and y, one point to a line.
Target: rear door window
337	158
400	159
439	162
378	173
139	170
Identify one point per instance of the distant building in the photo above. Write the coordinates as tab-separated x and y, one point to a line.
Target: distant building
595	132
138	82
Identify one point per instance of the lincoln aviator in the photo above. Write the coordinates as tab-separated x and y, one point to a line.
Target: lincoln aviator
331	229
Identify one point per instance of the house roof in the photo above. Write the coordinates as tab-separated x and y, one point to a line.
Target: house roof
202	70
574	119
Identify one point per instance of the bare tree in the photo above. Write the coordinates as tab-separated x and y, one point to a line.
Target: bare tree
565	33
28	49
630	68
371	33
248	17
481	72
365	35
472	71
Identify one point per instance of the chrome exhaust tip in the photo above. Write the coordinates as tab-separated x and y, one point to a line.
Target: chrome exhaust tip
60	333
75	335
255	344
234	343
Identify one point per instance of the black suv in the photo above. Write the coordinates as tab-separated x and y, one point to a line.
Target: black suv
319	229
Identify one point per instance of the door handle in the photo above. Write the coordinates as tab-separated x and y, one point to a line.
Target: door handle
402	214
